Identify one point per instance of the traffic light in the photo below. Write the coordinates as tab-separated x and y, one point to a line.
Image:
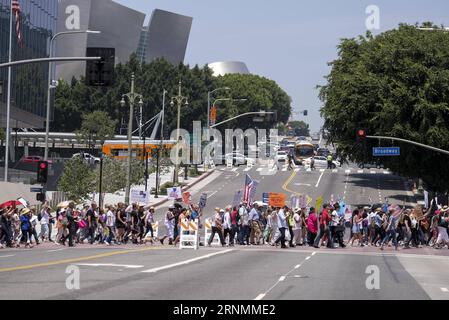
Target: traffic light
306	113
361	135
100	73
41	197
42	171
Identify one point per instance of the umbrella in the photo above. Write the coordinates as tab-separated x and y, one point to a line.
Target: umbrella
64	204
11	203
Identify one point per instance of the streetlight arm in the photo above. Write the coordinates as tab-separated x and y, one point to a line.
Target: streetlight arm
263	113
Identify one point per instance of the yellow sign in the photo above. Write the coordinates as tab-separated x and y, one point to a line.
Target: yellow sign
277	200
319	203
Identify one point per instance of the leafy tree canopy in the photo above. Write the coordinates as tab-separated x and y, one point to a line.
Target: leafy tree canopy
395	84
300	128
77	180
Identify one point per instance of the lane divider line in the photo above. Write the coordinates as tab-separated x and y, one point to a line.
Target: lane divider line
260	297
74	260
186	262
319	180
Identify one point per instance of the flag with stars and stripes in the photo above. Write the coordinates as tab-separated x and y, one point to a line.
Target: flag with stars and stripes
16	11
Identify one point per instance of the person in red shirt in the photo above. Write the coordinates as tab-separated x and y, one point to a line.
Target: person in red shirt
324	226
312	227
234	225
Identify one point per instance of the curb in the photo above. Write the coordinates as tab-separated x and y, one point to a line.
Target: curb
187	187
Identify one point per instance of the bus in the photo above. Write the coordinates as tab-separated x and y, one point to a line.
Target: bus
303	150
119	149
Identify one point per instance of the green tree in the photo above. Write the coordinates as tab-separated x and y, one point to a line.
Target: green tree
261	94
114	174
395	84
300	128
77	180
96	126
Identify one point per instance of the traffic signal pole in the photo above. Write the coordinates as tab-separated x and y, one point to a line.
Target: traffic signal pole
409	142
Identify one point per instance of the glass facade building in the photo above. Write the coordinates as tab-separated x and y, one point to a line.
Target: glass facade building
29	82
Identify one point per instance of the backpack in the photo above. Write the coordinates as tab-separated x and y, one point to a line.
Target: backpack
39	217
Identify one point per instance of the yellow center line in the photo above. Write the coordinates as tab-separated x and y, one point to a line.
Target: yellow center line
289	180
66	261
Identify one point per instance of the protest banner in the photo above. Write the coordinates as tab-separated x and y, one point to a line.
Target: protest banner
277	200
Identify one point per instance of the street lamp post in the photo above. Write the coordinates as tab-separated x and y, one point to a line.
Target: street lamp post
160	148
179	100
209	97
132	98
47	124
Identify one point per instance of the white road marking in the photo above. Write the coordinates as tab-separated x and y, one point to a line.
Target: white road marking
260	296
212	194
313	253
56	250
319	179
259	169
360	171
348	171
11	255
109	265
335	171
247	169
297	170
170	266
308	258
234	170
444	290
303	184
298	266
282	278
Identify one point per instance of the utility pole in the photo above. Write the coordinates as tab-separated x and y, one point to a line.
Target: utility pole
132	98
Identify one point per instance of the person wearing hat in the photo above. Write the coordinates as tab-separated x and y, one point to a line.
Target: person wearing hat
227	225
443	225
25	226
296	228
217	228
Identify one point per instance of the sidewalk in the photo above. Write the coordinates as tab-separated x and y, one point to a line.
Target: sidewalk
162	198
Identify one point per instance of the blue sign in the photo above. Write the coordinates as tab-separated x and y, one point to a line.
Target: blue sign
265	197
36	190
387	152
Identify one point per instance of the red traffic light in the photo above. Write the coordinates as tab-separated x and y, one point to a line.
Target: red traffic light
43	166
361	133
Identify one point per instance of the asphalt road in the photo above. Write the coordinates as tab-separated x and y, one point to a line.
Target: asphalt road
236	273
225	274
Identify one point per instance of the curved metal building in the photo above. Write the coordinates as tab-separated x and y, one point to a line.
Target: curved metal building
228	67
168	36
120	28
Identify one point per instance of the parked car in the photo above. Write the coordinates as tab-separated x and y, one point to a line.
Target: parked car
33	159
87	157
321	162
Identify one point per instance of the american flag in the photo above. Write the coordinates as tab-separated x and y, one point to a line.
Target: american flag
250	189
16	10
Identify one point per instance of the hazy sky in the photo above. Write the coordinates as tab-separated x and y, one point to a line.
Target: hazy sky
289	41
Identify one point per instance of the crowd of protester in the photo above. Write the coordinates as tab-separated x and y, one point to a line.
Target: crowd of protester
240	225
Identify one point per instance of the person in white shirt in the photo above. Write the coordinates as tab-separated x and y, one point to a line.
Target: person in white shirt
110	224
45	220
335	221
244	232
282	225
227	224
217	227
297	228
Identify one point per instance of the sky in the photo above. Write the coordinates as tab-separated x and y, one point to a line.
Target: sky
289	41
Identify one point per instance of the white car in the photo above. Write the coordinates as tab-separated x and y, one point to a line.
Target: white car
321	162
87	157
281	156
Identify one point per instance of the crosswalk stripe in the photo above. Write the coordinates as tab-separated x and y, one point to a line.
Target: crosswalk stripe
296	170
373	172
322	170
360	171
247	169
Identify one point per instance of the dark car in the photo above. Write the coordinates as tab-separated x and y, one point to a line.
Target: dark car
322	152
371	166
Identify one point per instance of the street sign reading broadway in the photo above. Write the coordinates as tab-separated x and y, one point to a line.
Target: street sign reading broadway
387	152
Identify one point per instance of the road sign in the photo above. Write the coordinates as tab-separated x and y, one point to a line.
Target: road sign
36	190
387	152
